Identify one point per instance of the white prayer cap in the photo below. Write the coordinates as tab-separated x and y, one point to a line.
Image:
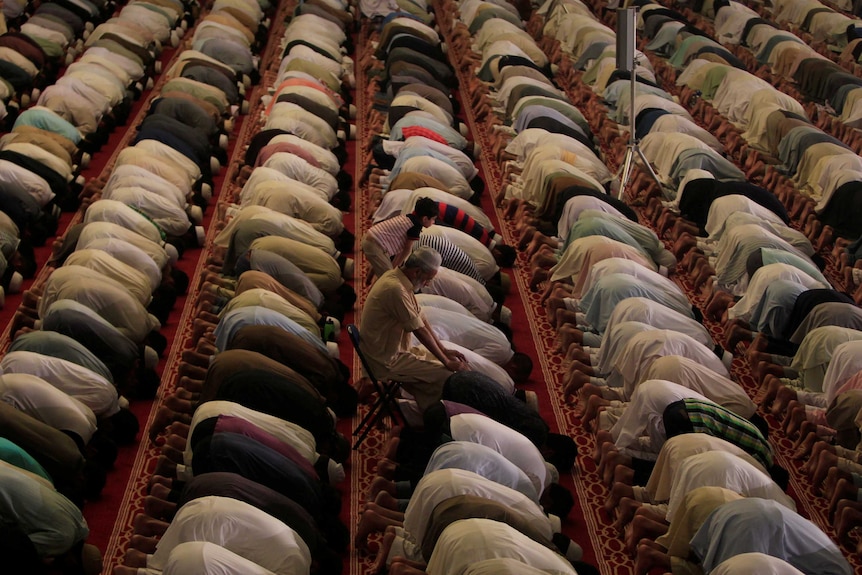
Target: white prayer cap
173	254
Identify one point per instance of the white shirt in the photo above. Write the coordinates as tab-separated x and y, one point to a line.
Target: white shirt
640	431
108	298
77	381
645	347
647	311
291	227
463	289
846	362
484	461
577	204
130	175
130	255
444	484
104	263
165	213
41	400
580	251
206	557
694	375
454	181
483	365
760	282
677	449
466	542
107	230
464	163
18	178
509	443
239	527
119	213
427	300
297	200
722	208
623	266
324	157
722	469
755	563
263	175
474	334
297	168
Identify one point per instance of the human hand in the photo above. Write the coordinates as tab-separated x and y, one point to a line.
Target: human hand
455	365
456	355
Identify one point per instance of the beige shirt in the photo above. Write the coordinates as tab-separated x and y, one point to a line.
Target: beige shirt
695	508
320	267
391	313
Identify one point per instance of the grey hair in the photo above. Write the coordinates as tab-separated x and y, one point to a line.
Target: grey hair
426	259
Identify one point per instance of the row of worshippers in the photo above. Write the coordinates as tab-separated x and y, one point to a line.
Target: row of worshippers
423	174
552	157
735	388
779	123
767	213
778	315
823	166
675	154
663	27
789	136
774	46
681	352
82	350
166	175
596	49
38	162
826	360
824	23
251	455
496	468
36	43
45	149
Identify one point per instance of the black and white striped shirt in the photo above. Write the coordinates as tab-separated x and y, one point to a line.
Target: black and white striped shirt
454	258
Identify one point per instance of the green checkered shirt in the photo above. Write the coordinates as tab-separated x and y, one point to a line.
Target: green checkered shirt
711	418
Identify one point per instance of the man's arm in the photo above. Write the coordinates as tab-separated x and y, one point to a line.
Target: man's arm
451	359
405	251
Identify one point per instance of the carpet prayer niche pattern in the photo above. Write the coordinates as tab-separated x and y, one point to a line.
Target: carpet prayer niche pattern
363	461
592	529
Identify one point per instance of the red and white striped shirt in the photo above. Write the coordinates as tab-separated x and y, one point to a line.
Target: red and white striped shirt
392	233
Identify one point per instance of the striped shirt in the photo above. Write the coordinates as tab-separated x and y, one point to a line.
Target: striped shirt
457	218
392	233
711	418
427	128
454	258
